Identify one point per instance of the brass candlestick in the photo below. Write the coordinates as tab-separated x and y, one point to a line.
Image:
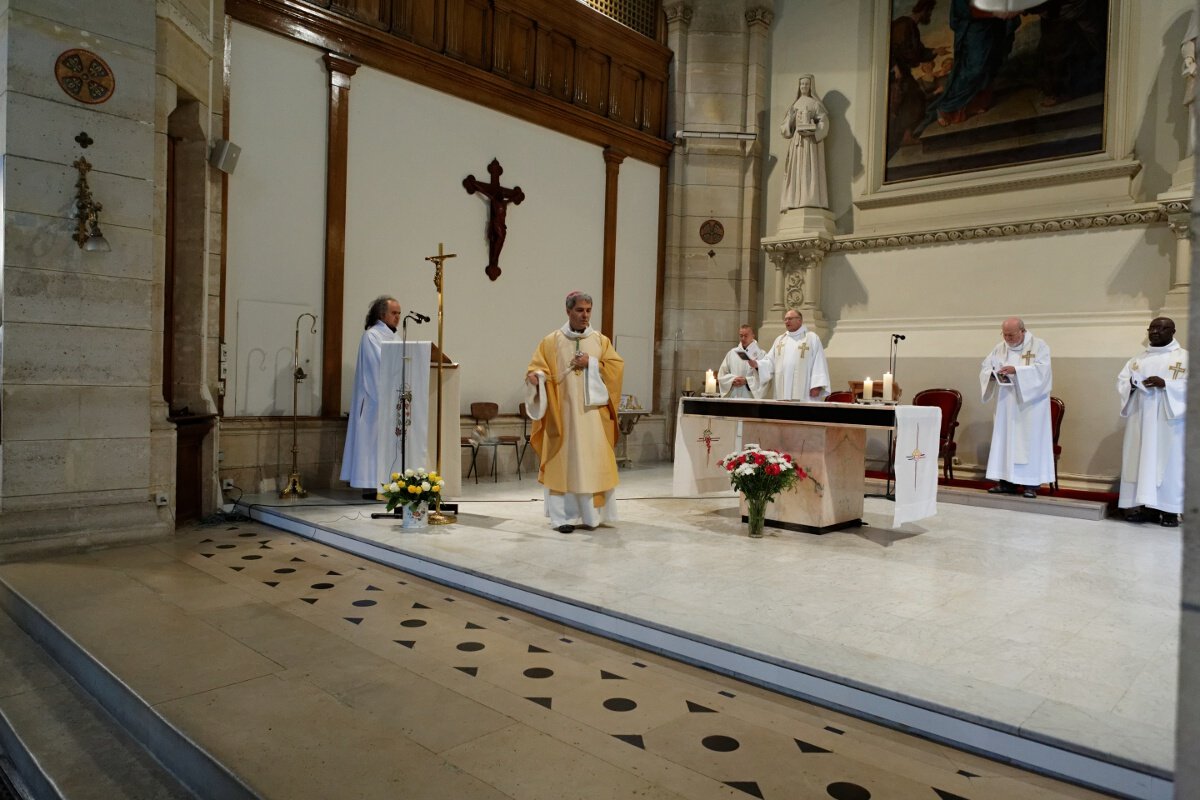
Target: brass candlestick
436	517
293	488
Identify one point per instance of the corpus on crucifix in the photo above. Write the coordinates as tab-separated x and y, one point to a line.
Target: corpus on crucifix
498	199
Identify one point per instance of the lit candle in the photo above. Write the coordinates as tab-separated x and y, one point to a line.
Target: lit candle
887	387
868	390
710	382
687	383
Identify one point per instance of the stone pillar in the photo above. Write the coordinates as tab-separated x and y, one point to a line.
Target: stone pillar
798	283
1179	220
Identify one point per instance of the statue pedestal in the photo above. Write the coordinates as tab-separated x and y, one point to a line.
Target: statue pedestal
805	222
1183	179
1176	205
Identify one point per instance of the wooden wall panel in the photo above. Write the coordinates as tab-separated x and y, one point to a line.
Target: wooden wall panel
654	111
376	13
625	98
591	82
469	31
421	21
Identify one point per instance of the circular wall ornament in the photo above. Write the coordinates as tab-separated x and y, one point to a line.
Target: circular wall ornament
85	76
711	231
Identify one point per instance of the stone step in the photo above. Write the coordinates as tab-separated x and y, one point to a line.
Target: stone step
58	741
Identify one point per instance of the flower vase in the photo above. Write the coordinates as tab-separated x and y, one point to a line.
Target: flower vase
415	516
756	515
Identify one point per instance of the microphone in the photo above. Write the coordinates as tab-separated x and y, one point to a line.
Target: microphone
898	336
418	317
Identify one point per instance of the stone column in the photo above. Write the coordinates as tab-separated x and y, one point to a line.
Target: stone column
798	282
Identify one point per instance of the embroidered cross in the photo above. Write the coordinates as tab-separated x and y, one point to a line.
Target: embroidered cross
1134	366
779	348
916	456
803	348
707	437
1177	369
1028	357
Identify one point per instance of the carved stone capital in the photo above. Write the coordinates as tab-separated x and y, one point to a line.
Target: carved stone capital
678	12
760	15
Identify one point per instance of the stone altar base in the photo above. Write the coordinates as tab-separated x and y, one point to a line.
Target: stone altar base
834	457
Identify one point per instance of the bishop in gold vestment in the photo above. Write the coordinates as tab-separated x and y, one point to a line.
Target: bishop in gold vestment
573	387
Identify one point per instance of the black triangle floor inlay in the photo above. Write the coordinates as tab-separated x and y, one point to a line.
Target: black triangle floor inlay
353	620
272	584
205	541
471	626
208	555
533	648
472	671
966	774
749	787
419	605
610	676
806	747
374	589
331	572
541	701
309	600
405	643
631	738
832	729
237	569
942	793
301	560
696	708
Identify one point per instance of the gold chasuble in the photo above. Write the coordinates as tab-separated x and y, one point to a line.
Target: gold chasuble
575	441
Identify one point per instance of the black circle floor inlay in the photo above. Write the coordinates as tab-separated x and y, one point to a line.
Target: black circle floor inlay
721	744
538	672
412	623
247	534
322	586
364	603
619	704
225	546
847	791
251	558
284	571
470	647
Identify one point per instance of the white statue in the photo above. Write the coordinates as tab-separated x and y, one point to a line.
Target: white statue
806	126
1188	51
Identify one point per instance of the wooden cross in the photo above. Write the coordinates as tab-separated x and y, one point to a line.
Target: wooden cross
1177	369
1027	357
498	199
803	348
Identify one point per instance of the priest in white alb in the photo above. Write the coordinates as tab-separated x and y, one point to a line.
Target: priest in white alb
1017	375
573	384
1153	393
795	364
738	375
362	438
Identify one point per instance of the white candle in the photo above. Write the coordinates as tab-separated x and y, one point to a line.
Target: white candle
710	382
887	386
687	383
868	390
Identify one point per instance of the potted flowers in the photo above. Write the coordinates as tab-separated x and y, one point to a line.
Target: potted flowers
760	475
413	491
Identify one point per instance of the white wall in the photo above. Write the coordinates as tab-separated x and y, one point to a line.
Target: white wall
637	269
276	221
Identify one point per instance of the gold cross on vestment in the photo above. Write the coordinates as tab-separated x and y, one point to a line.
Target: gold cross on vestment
1027	357
1177	369
1134	367
803	348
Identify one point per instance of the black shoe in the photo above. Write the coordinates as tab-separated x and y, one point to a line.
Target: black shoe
1169	520
369	494
565	529
1029	492
1003	487
1142	514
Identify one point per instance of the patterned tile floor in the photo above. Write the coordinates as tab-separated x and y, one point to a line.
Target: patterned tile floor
592	718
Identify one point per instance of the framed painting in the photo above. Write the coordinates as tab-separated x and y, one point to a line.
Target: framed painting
967	90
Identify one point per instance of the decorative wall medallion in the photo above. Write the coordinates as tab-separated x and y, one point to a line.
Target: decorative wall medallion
711	231
85	76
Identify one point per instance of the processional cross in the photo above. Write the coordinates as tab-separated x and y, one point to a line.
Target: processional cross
498	199
437	517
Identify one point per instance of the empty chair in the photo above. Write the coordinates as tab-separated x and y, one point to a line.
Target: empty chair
950	402
840	397
483	414
468	442
1057	410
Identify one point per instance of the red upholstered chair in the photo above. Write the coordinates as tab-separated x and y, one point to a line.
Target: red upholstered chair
950	402
839	397
1058	409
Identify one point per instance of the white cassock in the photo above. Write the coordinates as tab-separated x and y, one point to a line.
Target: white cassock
1022	442
362	439
735	366
795	364
1152	458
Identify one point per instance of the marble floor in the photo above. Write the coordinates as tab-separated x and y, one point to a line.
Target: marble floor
313	673
1060	630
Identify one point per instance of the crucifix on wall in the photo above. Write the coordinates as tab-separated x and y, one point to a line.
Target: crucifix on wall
498	199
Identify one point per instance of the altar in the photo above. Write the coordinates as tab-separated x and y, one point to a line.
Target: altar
827	440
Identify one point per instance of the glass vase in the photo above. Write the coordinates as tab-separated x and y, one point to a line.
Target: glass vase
756	515
415	516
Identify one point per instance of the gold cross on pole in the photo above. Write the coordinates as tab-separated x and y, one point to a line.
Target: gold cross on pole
1027	357
1177	369
437	517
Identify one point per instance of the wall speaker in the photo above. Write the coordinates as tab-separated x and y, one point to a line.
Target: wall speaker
224	155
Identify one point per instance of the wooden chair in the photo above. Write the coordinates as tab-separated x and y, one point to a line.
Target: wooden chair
465	441
839	397
950	402
1058	409
483	414
524	412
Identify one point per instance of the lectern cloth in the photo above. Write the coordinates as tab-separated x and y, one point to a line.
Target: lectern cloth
918	431
407	368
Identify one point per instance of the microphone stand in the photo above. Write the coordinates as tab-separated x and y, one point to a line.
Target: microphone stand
404	395
892	351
